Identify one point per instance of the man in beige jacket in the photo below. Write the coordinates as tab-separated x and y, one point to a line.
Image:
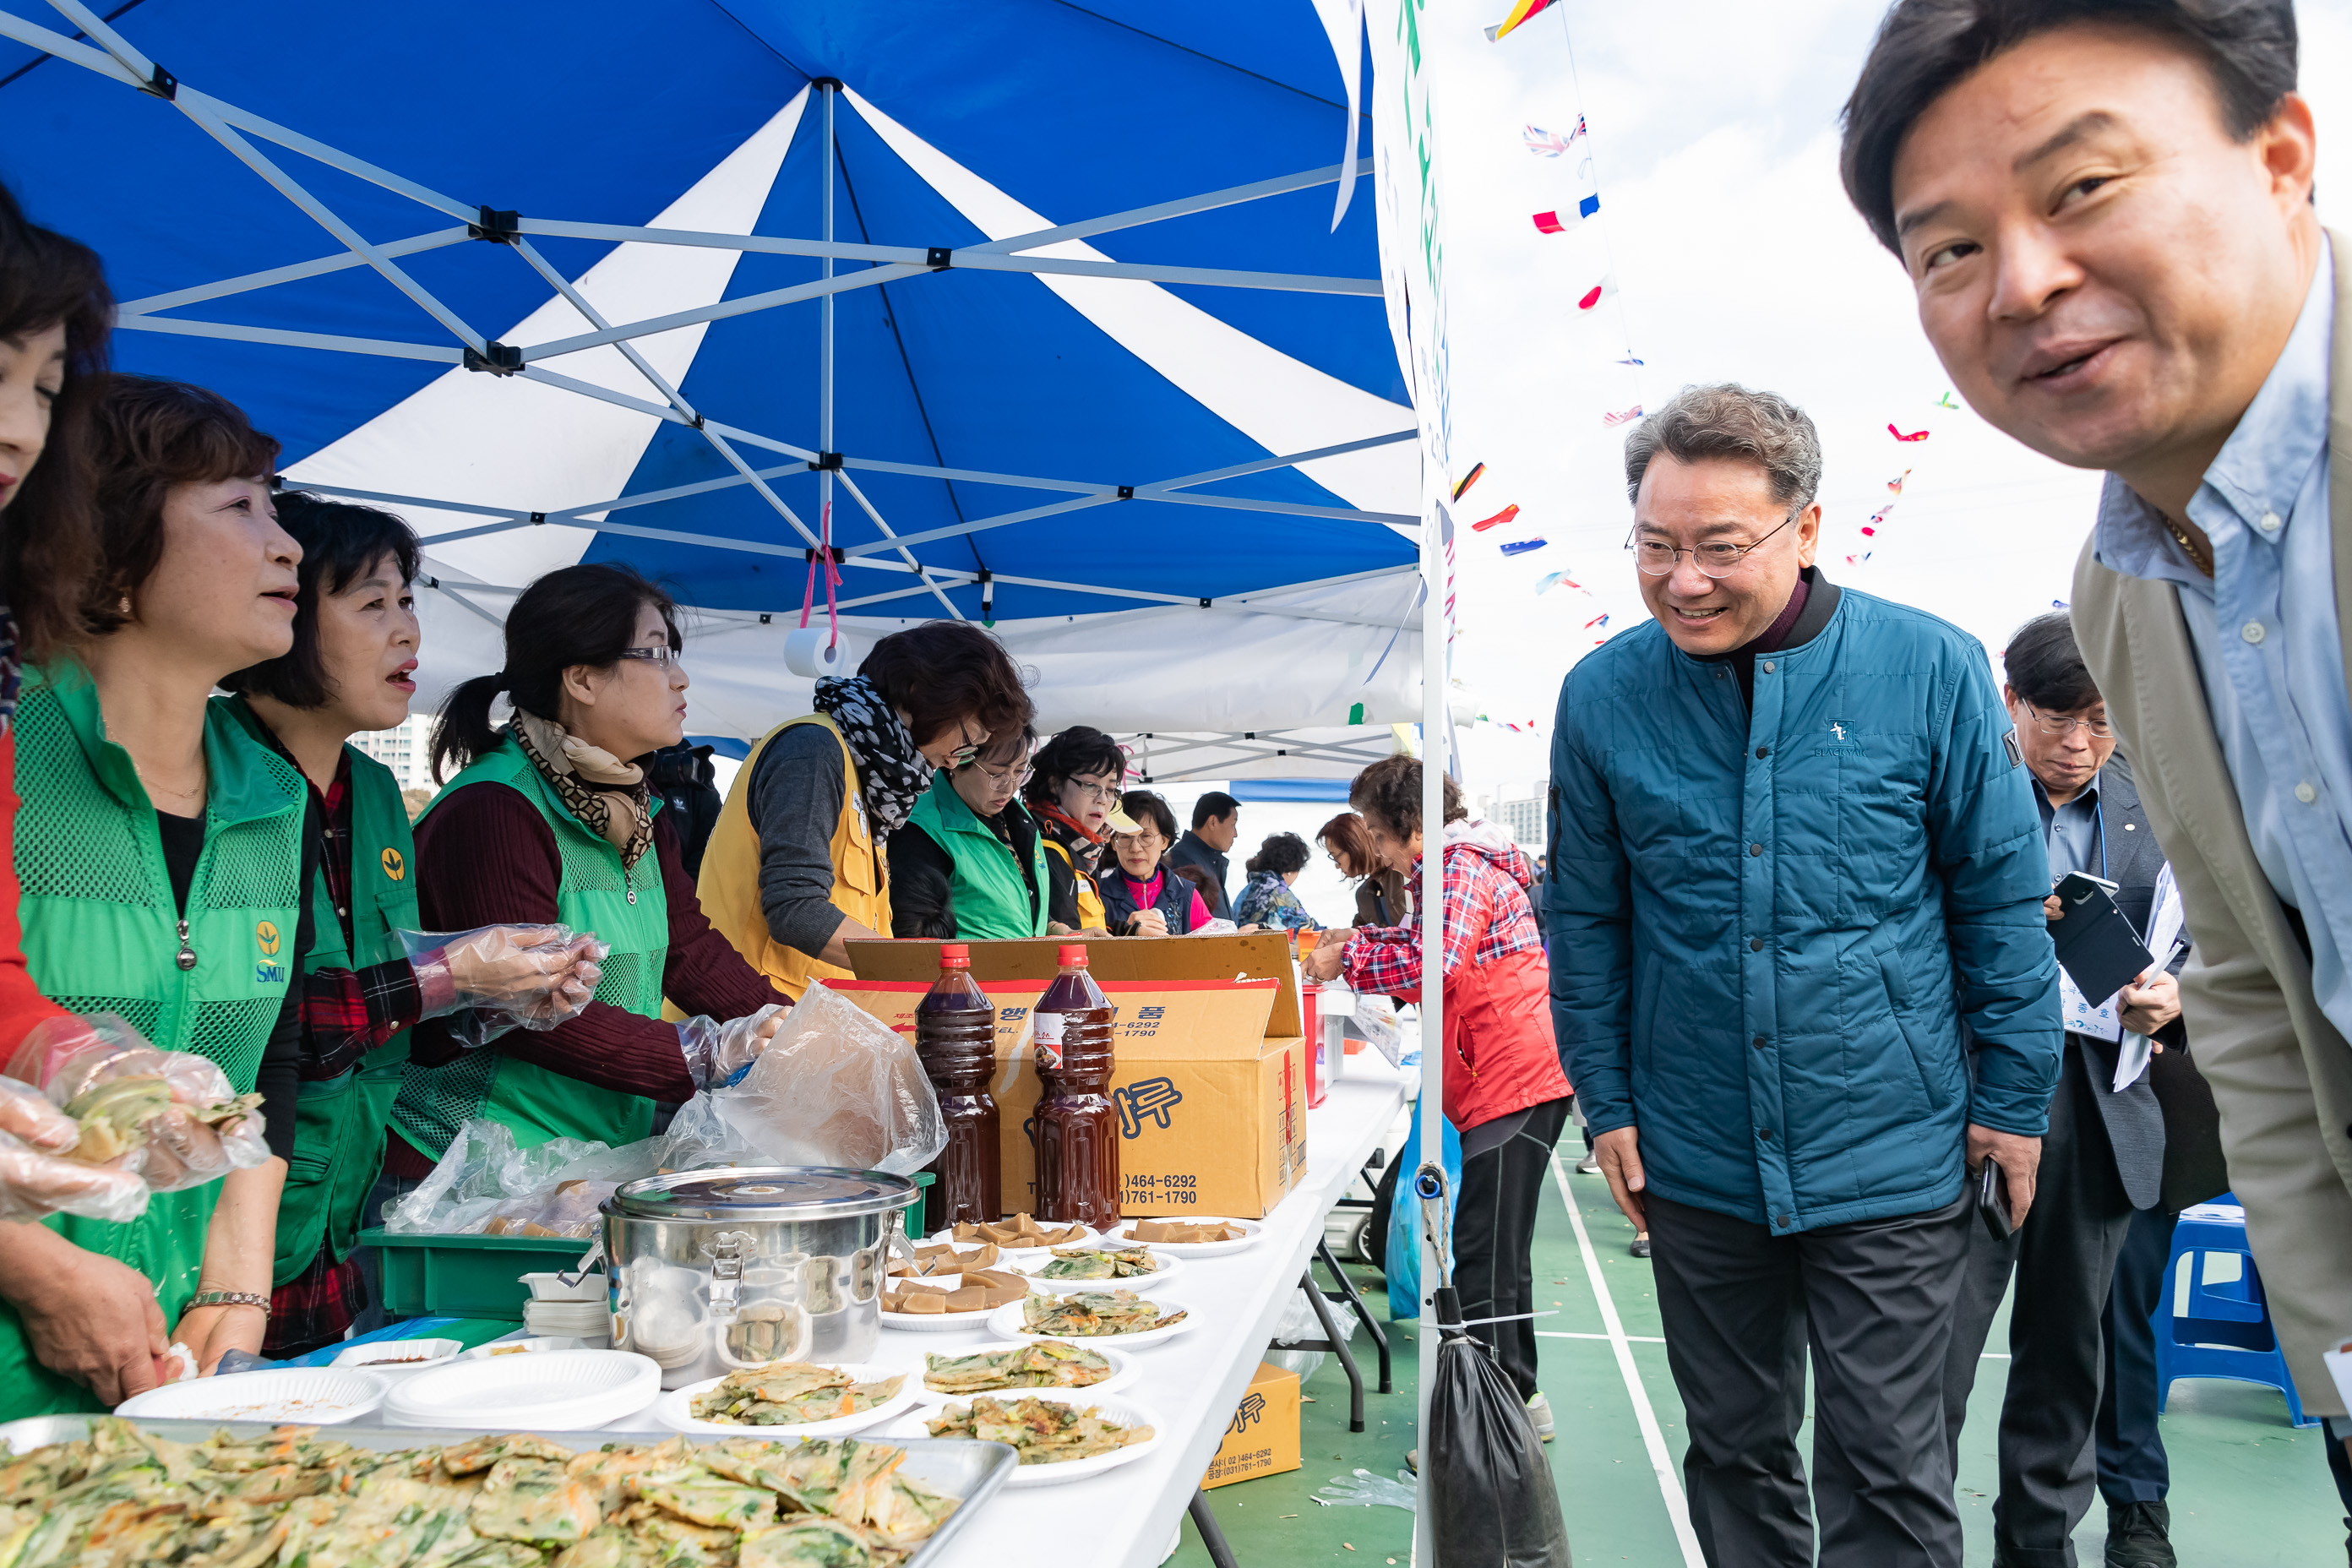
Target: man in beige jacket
2106	212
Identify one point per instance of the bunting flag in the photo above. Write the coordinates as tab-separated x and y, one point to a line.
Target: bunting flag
1945	401
1497	521
1560	223
1600	620
1627	418
1468	479
1521	10
1857	560
1553	579
1607	289
1631	358
1521	546
1895	485
1551	143
1915	436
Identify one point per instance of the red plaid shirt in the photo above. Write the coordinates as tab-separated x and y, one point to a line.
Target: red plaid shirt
347	1013
1482	900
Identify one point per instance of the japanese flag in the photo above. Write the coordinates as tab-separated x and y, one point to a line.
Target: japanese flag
1605	289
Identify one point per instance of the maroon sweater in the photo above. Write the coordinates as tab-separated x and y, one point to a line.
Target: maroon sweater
485	856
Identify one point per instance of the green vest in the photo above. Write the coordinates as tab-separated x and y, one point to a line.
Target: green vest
101	935
627	907
992	900
339	1121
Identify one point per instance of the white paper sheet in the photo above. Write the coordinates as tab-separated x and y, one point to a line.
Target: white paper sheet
2165	929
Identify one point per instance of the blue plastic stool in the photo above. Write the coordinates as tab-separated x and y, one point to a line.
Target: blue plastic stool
2226	1329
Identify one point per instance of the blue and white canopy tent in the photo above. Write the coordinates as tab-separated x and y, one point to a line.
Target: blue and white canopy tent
1036	315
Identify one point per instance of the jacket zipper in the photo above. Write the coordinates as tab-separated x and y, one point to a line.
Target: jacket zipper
187	955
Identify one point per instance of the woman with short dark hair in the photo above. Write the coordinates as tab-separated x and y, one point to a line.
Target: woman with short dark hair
1073	795
968	866
795	869
1266	900
551	821
1381	897
1143	893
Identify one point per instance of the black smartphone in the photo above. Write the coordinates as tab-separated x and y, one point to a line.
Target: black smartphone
2097	946
1992	1201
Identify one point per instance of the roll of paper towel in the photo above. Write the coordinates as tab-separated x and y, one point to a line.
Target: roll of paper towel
815	651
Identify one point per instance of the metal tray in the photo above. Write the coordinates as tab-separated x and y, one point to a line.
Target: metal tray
968	1471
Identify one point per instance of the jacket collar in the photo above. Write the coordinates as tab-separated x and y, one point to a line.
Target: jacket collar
245	781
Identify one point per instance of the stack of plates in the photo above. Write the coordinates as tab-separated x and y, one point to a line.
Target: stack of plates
579	1320
548	1391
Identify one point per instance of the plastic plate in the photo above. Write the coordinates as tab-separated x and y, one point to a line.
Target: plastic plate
1171	1266
388	1358
1252	1228
1112	1409
1005	1323
674	1411
1123	1372
310	1396
506	1350
546	1391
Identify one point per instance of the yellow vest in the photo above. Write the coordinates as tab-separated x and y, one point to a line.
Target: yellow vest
1091	904
729	885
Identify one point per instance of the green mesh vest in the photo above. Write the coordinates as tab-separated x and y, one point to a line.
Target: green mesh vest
102	935
339	1121
627	907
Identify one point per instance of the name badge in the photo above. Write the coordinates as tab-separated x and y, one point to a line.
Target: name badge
2104	1022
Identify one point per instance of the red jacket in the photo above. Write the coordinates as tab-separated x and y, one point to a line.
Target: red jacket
22	1006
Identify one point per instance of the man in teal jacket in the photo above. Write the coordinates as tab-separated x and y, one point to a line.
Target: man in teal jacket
1794	863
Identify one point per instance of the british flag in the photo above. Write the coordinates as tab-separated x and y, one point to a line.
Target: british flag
1551	143
1626	418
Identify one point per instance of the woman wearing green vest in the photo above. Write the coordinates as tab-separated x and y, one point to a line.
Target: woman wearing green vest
970	865
550	821
351	671
162	860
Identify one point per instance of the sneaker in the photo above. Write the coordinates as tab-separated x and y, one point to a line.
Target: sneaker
1640	1247
2139	1536
1413	1460
1590	1165
1539	1412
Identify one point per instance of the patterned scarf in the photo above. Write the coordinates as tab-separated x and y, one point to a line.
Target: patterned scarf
11	670
895	774
609	796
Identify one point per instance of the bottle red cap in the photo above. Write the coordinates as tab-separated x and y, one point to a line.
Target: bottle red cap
1073	955
955	955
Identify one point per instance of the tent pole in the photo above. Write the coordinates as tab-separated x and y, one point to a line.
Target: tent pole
1434	626
832	91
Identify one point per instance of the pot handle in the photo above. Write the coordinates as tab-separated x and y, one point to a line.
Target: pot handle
594	1255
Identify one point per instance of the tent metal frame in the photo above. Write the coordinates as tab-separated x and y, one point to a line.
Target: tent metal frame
235	130
1152	748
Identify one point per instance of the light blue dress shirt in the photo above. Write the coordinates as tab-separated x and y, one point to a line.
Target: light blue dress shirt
2270	651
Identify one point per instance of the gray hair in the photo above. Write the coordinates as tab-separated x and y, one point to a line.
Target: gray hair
1730	421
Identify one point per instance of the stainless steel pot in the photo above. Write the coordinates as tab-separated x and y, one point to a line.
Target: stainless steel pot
713	1271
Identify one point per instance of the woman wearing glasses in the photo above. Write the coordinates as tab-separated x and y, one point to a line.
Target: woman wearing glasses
550	821
1074	795
794	871
1142	894
968	866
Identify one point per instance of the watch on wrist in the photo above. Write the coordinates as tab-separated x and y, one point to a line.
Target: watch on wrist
230	1298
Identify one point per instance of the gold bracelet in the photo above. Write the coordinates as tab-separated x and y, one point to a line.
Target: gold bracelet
230	1298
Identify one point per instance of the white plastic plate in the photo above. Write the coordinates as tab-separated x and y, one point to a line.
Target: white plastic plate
387	1358
1112	1409
509	1349
548	1391
674	1411
1123	1371
1005	1323
1252	1228
309	1396
1171	1266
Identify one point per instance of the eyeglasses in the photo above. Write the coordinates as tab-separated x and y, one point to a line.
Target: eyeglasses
965	752
2056	724
664	658
1715	558
1106	794
1138	840
1002	777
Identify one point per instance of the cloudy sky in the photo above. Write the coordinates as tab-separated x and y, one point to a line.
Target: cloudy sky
1714	140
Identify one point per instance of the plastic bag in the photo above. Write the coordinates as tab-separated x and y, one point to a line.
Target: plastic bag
720	1054
1492	1499
1215	926
495	978
1299	1323
483	1178
35	1182
170	1117
1364	1490
1401	1261
836	1087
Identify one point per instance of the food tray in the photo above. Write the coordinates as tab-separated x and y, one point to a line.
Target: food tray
973	1472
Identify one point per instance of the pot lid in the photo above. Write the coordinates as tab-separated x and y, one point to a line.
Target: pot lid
764	1192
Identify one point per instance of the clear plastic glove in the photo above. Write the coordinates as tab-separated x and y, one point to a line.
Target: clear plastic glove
531	977
718	1054
36	1182
1363	1489
168	1116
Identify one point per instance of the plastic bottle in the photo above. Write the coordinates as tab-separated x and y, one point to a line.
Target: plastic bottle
955	1037
1077	1129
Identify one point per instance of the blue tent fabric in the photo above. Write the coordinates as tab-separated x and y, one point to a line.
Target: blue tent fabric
604	111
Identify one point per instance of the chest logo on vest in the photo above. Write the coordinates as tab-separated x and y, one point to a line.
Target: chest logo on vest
265	972
265	934
393	866
1842	737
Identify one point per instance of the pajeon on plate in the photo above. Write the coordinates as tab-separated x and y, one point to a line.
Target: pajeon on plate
1100	1267
799	1399
1061	1435
375	1496
1010	1367
1088	1317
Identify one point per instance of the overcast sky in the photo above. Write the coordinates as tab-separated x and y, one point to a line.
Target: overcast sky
1714	139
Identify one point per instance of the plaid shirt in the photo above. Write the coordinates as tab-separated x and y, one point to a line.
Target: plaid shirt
316	1308
347	1013
1481	899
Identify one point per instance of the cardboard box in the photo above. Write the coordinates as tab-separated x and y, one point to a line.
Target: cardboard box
1211	1099
1262	1439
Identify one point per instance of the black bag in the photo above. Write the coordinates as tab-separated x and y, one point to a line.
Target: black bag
1490	1490
1376	1239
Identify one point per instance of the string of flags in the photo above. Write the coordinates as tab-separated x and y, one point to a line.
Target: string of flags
1520	11
1945	401
1898	435
1500	517
1551	143
1468	480
1626	418
1521	546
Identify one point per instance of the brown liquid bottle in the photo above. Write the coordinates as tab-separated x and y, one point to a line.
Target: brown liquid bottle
955	1037
1077	1129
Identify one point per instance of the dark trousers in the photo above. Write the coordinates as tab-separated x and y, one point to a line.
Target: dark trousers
1494	1239
2063	1256
2132	1464
1873	1300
